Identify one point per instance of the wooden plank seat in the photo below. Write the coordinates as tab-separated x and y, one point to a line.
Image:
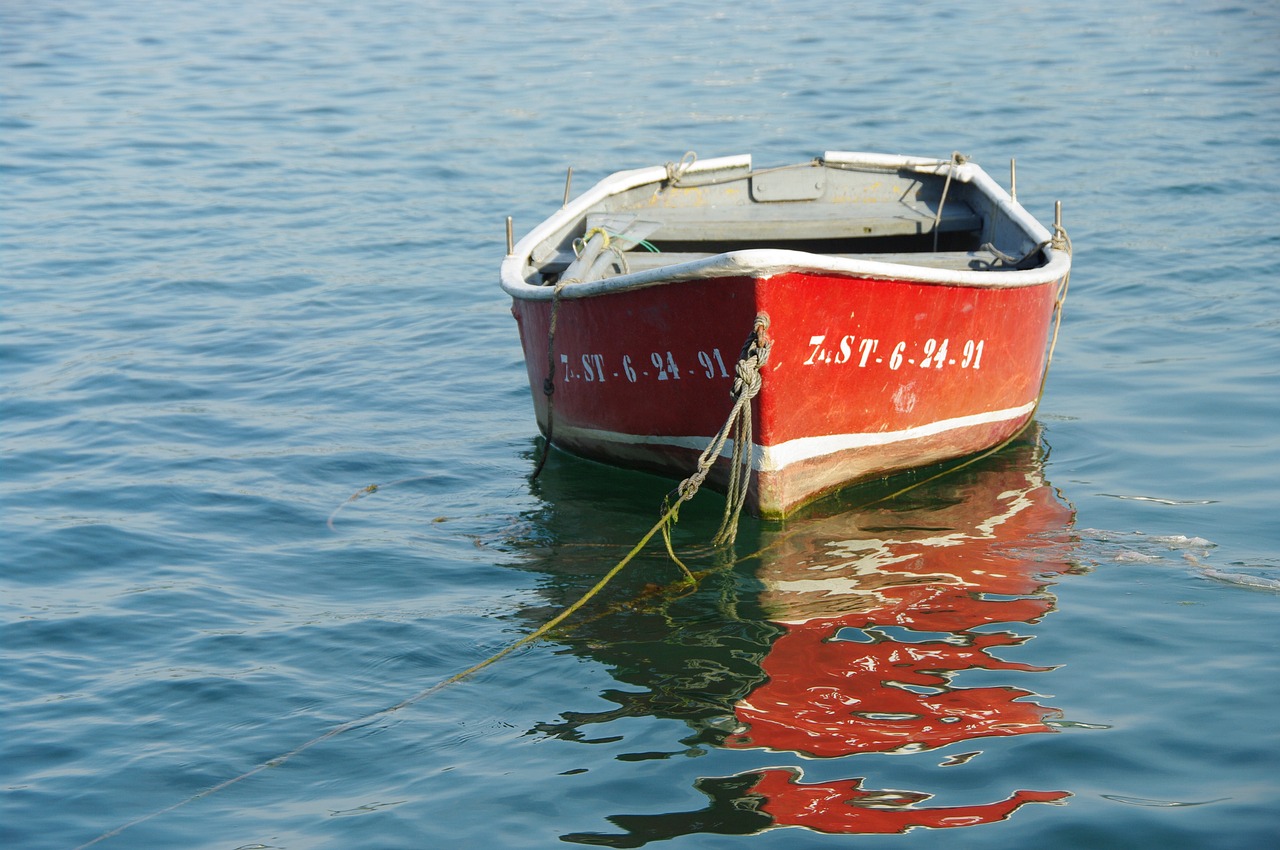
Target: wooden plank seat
960	260
641	260
796	221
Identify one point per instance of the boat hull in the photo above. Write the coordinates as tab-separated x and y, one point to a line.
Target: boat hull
864	376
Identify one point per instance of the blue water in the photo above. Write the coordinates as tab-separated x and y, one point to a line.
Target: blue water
248	269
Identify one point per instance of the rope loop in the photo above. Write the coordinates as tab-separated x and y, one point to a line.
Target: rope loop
1061	241
676	170
586	237
620	258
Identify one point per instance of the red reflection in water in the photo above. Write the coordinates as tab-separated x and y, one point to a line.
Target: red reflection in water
833	698
939	573
843	807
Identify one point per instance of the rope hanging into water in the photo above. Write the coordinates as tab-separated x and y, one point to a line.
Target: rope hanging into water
746	386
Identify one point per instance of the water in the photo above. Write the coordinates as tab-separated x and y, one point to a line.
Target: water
249	269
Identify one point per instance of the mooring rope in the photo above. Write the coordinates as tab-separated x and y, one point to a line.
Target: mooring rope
535	635
676	170
1061	242
747	385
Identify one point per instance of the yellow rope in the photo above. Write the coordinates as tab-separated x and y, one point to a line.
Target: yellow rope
535	635
580	244
689	489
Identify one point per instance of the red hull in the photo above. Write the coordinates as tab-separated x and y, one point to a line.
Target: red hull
864	376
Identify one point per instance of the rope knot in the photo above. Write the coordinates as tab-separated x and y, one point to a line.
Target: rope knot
747	380
688	488
586	237
1061	241
676	170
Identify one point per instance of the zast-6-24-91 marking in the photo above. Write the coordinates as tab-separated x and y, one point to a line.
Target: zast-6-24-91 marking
866	351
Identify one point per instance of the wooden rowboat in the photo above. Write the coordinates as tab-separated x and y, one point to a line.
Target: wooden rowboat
900	309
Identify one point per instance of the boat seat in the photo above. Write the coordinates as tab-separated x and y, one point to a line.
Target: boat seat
640	260
796	221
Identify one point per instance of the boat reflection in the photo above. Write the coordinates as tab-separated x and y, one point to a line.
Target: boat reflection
860	624
756	801
879	610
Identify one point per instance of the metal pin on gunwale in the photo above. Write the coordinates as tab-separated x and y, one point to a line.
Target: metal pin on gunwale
1059	242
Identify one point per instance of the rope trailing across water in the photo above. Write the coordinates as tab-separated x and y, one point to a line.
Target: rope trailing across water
746	387
738	426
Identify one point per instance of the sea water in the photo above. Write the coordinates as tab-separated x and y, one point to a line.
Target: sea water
267	436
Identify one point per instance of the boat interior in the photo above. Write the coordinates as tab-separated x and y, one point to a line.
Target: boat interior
902	216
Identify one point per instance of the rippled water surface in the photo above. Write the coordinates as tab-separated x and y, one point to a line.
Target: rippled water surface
248	270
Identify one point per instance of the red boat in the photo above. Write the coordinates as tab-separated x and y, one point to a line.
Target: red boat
898	309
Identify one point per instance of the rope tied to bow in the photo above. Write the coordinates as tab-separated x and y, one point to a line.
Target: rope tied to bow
957	159
676	170
738	429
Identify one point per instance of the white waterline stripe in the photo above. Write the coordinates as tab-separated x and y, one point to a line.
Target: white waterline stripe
793	451
774	458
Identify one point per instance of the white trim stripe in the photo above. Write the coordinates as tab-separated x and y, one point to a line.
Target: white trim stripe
774	458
